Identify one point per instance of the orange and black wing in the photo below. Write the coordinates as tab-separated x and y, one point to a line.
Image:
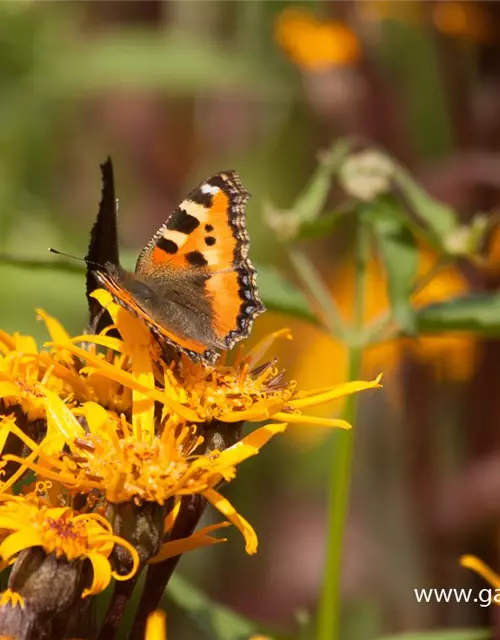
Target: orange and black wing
207	235
121	295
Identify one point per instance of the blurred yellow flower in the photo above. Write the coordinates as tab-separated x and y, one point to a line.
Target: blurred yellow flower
482	569
156	626
450	356
316	45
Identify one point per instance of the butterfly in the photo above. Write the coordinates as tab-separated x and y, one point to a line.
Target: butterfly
194	285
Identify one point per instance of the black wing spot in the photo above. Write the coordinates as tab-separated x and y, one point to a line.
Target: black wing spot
196	259
198	196
209	228
169	246
210	241
218	181
182	221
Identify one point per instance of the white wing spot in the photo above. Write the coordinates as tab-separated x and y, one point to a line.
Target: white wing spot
208	188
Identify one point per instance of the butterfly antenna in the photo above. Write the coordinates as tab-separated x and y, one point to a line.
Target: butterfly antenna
68	255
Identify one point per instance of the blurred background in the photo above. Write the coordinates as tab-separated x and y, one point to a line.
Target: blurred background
177	90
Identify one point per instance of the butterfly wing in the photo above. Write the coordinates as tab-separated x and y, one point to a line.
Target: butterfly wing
207	236
185	328
103	246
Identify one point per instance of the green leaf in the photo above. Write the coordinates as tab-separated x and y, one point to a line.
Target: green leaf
444	634
214	619
278	294
322	226
439	218
399	254
172	61
475	313
310	203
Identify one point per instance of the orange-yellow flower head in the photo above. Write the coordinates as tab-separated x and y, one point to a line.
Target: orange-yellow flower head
128	426
26	523
315	45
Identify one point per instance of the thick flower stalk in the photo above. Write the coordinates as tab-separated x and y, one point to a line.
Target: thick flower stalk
127	446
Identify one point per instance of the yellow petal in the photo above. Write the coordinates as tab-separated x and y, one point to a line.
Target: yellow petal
122	377
14	599
4	431
298	418
55	329
25	344
249	445
101	574
115	344
482	569
62	426
194	541
137	339
105	299
227	509
9	389
59	370
156	626
7	340
337	392
172	516
17	542
96	416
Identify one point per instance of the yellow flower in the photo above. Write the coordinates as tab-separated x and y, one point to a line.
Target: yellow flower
161	446
314	45
449	356
26	376
25	523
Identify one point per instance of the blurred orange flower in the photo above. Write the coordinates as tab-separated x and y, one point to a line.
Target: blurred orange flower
458	18
464	19
316	45
325	359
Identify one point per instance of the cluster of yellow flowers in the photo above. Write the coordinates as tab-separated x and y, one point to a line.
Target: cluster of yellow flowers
106	447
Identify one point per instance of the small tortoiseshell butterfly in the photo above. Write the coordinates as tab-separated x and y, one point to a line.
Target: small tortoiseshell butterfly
194	285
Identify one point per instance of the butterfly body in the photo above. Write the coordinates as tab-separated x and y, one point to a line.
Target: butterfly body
194	284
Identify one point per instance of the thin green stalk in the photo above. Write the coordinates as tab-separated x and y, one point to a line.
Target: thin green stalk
377	332
313	282
328	621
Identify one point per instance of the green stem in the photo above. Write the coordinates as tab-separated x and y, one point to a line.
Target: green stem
328	622
315	285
